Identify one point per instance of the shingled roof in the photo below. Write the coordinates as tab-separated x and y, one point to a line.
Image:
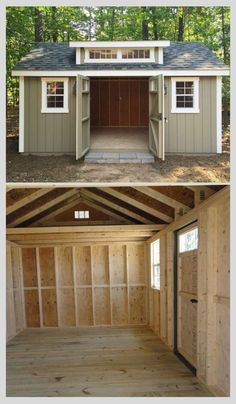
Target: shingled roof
179	55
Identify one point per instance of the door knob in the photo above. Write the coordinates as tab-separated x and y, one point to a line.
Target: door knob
193	300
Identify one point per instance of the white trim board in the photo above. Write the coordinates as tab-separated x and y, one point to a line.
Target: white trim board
219	114
21	114
118	44
118	73
179	110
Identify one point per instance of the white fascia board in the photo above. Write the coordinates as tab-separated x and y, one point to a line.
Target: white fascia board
117	73
118	44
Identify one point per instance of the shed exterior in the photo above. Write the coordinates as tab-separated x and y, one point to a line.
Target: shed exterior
171	129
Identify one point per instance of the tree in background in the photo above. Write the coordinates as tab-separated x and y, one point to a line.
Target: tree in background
27	25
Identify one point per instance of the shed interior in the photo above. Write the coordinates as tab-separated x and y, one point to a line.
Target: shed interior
89	310
119	113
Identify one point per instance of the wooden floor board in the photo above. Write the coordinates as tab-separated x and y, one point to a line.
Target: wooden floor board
96	362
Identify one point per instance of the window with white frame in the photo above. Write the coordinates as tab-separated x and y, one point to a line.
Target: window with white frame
81	214
54	95
102	54
185	94
135	53
155	264
188	241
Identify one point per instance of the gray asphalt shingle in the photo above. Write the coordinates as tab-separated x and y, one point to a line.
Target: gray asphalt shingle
179	55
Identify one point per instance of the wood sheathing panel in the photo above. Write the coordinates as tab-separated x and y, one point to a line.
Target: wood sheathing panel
85	285
213	308
17	194
14	292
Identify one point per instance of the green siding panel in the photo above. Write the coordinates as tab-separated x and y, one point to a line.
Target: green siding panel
48	132
192	133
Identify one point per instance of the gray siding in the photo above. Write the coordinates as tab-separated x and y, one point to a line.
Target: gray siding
192	133
48	132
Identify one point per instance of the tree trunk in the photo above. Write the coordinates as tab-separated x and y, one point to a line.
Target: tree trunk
181	27
38	25
112	25
225	101
154	23
54	24
144	24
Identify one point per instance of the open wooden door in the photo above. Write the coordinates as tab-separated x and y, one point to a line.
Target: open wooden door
82	116
187	297
156	116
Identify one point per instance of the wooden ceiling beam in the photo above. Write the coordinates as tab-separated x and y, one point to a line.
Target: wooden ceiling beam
70	202
43	207
80	229
133	202
27	199
115	206
106	211
162	198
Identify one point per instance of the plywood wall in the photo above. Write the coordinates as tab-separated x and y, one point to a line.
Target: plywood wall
85	285
14	292
213	314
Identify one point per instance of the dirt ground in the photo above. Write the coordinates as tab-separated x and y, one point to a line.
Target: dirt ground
175	168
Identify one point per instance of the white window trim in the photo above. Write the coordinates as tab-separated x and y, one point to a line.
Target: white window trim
119	58
152	265
195	108
44	108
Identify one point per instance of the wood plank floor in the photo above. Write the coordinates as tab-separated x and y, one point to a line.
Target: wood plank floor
93	362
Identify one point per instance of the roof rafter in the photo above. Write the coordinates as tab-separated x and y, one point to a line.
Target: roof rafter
139	205
27	199
115	206
43	207
162	198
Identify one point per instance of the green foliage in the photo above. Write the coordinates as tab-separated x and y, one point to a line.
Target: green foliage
210	25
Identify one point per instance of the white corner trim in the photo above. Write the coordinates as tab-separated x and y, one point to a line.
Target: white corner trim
160	56
21	113
195	109
118	73
78	56
219	114
44	108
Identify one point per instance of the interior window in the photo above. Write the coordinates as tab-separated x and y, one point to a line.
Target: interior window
155	264
188	241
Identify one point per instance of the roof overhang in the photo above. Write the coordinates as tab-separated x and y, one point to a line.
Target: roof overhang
118	44
118	73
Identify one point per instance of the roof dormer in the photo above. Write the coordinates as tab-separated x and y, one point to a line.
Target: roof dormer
119	51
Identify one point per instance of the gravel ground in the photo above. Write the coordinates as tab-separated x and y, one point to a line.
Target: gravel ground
176	168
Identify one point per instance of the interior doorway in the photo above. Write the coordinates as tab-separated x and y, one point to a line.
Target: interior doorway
186	294
119	114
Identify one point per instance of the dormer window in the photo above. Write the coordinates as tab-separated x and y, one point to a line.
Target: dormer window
135	53
102	54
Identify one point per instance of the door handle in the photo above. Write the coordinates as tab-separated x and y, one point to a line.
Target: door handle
166	120
193	300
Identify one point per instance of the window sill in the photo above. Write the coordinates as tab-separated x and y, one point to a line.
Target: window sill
54	111
185	111
154	288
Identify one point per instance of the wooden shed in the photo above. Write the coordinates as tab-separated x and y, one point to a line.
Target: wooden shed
135	99
118	291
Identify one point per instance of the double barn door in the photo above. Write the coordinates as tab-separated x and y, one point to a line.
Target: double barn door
120	103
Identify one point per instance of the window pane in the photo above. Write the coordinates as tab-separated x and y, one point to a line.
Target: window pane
189	240
189	91
155	264
179	84
189	84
